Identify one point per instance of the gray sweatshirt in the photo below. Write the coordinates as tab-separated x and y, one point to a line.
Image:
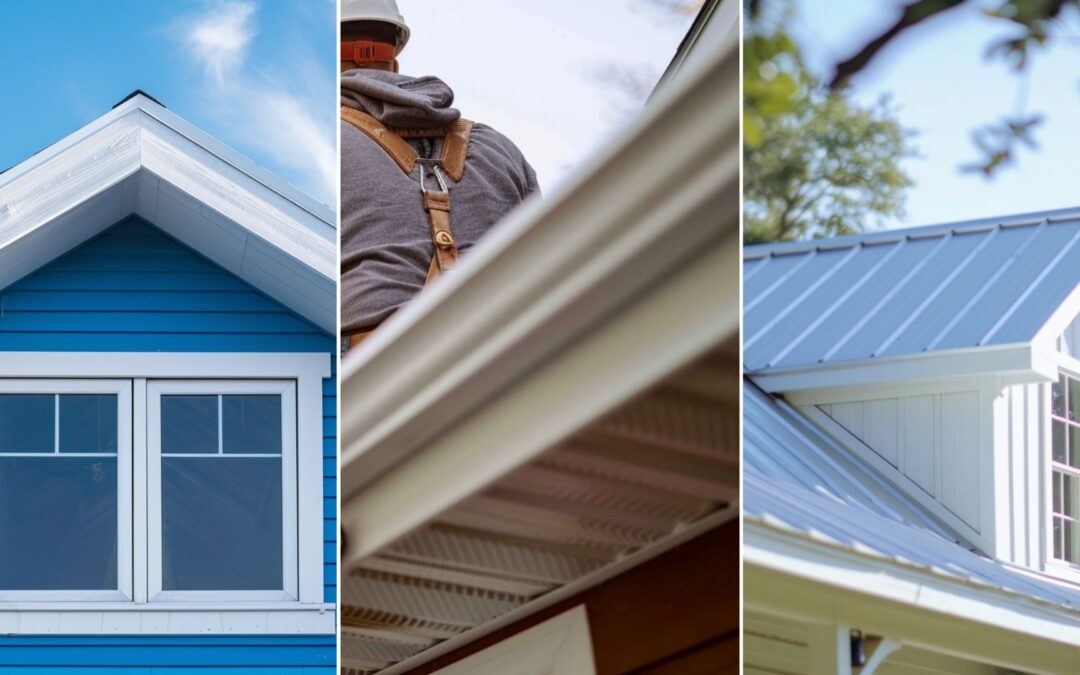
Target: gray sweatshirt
386	243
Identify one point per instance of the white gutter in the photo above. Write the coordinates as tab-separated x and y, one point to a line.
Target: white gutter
792	574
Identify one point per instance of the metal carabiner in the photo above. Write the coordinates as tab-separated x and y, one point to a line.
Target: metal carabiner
434	164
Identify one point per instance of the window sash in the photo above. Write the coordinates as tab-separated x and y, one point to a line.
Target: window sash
287	390
122	389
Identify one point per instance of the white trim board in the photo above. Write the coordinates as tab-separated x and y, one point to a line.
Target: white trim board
129	619
141	159
1013	364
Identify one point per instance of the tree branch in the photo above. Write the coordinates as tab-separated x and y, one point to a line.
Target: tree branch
914	13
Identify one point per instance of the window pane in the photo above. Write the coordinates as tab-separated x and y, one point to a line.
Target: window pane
1074	446
87	423
1057	397
251	424
1056	480
1074	400
27	422
58	523
1059	441
221	523
1057	538
1070	505
189	424
1071	545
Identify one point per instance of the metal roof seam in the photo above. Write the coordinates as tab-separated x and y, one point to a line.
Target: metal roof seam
935	293
998	274
779	282
748	341
1030	289
888	296
836	305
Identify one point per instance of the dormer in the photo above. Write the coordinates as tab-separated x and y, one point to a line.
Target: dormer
948	359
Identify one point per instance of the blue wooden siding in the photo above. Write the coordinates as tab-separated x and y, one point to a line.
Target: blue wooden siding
134	288
171	655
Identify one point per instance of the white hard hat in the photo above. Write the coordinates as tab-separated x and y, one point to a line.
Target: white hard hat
377	10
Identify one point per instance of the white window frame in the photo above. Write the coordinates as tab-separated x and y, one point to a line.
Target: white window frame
286	389
308	614
1063	569
124	567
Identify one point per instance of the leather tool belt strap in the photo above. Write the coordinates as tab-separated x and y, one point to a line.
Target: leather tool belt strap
451	163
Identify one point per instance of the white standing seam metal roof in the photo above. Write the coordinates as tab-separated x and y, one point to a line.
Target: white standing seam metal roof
906	292
798	482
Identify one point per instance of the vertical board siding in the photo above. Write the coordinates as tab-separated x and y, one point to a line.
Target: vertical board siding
960	475
1024	452
918	443
933	440
134	288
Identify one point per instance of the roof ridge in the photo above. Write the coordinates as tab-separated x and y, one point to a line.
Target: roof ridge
1029	219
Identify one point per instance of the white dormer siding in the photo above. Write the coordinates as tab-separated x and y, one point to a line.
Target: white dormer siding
931	440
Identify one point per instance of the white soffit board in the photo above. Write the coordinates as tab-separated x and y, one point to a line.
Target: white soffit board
628	483
142	159
906	293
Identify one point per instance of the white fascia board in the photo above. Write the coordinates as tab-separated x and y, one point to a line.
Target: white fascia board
95	172
662	199
794	575
165	365
1011	363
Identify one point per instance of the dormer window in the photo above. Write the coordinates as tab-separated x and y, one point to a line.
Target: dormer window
1065	469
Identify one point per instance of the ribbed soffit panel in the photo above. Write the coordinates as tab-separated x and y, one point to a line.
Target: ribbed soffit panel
902	292
627	482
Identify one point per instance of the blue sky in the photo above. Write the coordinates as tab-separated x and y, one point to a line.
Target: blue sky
946	88
537	71
259	75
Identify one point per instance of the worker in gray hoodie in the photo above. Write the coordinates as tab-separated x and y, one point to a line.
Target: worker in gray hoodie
419	183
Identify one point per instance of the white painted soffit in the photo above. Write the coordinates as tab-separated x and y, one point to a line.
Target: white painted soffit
644	238
142	159
660	470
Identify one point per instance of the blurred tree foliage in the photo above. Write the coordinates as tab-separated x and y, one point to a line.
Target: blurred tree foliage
1029	21
815	163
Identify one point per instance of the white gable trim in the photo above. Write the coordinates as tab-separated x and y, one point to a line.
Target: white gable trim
141	159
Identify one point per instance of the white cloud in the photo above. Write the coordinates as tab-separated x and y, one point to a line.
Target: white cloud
219	38
284	107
